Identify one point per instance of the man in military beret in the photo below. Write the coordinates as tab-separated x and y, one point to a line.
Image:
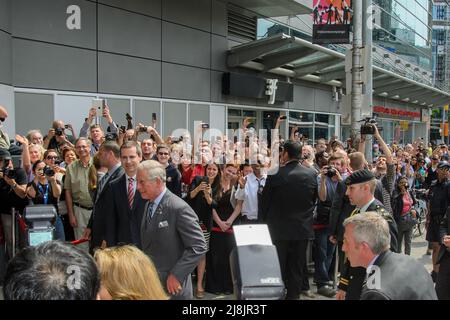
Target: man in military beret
361	186
439	196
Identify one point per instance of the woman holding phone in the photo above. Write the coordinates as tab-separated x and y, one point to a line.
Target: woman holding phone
218	275
201	196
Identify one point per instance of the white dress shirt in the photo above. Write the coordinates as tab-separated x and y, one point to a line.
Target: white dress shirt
250	195
127	181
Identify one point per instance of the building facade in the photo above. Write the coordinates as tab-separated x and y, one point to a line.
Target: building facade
170	57
440	62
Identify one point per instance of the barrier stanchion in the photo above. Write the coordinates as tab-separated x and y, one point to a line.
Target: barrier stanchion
336	266
13	232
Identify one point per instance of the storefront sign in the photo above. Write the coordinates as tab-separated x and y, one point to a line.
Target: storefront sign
398	113
425	115
249	86
332	19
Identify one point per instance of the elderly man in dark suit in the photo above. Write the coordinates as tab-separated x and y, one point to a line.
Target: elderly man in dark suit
390	276
127	205
288	202
170	232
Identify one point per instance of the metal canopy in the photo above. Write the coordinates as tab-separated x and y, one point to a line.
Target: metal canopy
270	8
300	59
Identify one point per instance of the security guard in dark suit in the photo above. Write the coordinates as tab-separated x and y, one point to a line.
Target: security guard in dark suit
361	186
439	196
443	258
288	202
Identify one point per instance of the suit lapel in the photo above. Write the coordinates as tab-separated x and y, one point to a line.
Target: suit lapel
149	231
107	184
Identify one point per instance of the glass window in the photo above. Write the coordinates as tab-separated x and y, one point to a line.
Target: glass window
143	110
40	116
234	112
197	112
118	109
305	122
267	28
174	116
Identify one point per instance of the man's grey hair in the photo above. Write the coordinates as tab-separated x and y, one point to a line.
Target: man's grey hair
153	170
371	228
89	142
31	132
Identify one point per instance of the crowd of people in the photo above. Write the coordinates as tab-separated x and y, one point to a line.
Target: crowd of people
173	203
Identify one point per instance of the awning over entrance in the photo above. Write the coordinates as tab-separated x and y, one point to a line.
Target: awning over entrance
278	8
297	58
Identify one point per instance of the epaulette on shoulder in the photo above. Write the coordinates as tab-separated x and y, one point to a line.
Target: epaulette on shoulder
383	212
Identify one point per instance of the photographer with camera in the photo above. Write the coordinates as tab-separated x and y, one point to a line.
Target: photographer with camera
385	166
46	189
328	180
97	135
56	136
13	183
151	131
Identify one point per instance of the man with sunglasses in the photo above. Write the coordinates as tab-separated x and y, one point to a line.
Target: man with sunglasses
173	180
431	175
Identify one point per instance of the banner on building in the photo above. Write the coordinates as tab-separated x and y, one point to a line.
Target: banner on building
331	21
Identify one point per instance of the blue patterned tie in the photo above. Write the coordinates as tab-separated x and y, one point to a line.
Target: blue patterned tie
150	212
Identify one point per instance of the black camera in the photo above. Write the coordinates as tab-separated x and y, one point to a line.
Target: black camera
331	172
66	126
204	179
111	136
10	173
123	129
143	129
369	126
175	139
59	131
48	171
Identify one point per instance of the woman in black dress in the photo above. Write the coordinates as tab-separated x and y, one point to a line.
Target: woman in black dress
202	192
218	274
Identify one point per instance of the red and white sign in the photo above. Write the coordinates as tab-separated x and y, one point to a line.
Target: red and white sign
396	112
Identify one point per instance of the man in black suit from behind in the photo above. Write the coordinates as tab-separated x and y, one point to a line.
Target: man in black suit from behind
109	154
389	275
288	202
127	205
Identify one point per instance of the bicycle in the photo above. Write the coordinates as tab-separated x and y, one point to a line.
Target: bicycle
422	211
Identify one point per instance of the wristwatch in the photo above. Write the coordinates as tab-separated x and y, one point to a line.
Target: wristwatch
14	186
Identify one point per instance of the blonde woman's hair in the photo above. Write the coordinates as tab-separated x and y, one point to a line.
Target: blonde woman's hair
40	149
129	274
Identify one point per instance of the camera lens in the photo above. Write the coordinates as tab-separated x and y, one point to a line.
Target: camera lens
48	171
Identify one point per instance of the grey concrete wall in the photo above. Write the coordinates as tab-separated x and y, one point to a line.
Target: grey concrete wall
5	43
153	48
7	101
